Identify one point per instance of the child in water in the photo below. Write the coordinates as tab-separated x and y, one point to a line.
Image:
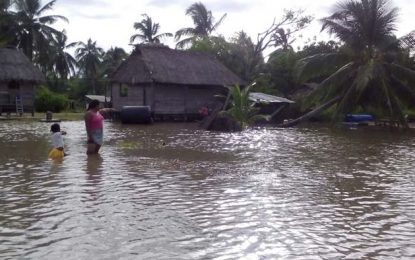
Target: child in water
57	141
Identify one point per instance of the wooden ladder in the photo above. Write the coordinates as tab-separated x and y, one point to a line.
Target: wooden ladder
19	106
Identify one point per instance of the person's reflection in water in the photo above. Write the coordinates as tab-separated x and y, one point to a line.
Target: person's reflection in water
93	175
56	165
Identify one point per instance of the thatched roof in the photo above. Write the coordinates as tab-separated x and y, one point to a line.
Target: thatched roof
14	65
160	64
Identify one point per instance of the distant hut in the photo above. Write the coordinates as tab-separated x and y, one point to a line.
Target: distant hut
18	79
171	82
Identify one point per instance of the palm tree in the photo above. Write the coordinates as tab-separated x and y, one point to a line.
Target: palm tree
366	72
64	63
148	31
242	109
7	23
204	24
112	60
89	57
249	60
34	30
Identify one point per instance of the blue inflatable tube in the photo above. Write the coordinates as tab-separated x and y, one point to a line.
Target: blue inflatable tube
358	118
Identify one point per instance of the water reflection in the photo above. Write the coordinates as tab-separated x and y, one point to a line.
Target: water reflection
262	194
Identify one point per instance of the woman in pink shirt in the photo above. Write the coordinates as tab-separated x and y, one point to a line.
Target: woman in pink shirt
94	124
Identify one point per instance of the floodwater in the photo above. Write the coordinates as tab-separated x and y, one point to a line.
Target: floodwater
172	191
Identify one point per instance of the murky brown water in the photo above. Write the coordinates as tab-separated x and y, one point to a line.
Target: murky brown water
304	193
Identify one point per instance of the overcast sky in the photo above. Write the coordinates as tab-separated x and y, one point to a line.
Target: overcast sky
110	22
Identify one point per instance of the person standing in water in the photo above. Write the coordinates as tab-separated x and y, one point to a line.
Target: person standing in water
57	141
94	124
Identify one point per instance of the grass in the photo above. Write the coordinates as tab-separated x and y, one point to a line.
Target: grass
64	116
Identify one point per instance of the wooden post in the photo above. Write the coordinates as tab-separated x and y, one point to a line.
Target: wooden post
186	94
153	97
144	95
276	112
228	97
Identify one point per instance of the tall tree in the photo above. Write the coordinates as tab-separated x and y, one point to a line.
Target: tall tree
367	71
6	23
34	31
148	31
112	60
64	64
89	57
204	25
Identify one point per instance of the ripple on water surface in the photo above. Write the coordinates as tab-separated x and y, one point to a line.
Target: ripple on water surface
172	191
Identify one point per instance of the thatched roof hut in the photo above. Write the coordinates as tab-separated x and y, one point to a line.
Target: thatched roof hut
14	65
159	63
171	82
18	79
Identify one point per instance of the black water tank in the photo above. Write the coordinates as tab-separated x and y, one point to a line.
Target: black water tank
136	115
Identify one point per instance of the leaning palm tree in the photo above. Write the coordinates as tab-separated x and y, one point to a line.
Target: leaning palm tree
34	30
204	25
366	72
89	57
148	31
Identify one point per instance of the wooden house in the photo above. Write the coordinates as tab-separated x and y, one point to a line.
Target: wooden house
171	82
18	80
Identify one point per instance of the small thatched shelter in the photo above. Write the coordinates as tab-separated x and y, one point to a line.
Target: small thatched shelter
172	82
18	79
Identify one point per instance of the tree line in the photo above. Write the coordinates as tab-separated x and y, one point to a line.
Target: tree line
367	68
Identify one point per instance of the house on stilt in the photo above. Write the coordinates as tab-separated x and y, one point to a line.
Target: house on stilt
18	80
173	83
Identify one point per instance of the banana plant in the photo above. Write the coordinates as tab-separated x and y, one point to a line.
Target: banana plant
242	109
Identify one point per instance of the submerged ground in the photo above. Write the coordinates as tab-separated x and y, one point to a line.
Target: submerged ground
172	191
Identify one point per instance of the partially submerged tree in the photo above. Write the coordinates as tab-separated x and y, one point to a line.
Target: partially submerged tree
367	70
241	108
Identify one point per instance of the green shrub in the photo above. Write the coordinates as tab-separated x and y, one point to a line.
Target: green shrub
47	100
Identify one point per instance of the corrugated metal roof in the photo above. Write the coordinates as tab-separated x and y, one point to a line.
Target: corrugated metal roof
259	97
98	97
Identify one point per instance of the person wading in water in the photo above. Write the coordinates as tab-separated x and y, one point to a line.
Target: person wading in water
94	124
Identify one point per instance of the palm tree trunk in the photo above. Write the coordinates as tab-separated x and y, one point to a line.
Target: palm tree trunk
311	113
93	86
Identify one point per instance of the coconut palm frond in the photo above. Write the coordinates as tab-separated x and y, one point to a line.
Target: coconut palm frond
332	86
403	72
347	100
183	43
404	88
364	75
184	32
50	19
148	31
218	23
46	7
163	35
137	36
318	65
